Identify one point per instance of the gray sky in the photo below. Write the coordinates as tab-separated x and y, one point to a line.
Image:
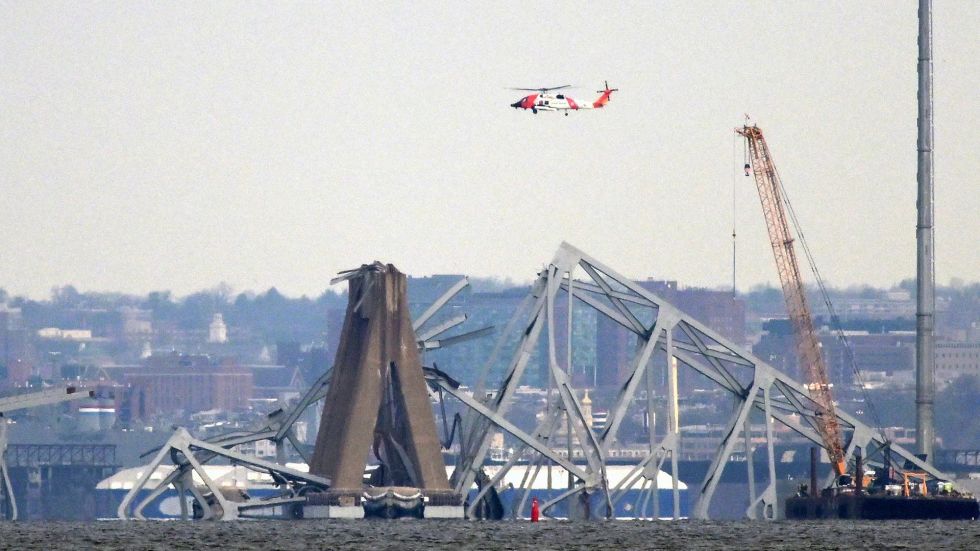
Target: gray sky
178	145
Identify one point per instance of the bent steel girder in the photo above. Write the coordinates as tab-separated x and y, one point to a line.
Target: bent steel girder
559	276
277	427
184	450
661	331
54	395
497	405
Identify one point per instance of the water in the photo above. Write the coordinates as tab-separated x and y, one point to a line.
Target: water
463	535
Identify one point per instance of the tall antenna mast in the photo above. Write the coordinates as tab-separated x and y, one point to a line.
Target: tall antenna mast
925	315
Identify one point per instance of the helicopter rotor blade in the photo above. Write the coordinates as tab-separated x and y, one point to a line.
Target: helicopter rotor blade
542	90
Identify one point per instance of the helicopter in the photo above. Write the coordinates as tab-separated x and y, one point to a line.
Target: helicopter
545	100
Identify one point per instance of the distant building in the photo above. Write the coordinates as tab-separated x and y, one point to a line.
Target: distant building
890	354
702	442
175	382
136	323
217	330
886	380
955	359
891	305
277	382
320	360
335	325
613	349
15	360
718	310
599	420
289	353
55	333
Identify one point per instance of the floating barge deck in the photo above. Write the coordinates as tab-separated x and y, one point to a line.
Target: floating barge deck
882	507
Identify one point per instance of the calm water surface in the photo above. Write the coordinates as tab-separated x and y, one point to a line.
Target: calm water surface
459	535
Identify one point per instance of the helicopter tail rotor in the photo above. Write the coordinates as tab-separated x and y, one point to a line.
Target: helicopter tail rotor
607	89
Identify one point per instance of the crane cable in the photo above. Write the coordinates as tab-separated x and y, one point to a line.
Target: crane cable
834	319
734	189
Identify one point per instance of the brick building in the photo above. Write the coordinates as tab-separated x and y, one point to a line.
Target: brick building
175	382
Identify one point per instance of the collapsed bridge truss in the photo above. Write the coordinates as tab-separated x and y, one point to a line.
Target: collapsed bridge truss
662	332
179	463
667	340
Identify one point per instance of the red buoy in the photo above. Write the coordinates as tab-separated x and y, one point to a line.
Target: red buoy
535	511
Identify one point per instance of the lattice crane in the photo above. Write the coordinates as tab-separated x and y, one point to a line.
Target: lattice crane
771	195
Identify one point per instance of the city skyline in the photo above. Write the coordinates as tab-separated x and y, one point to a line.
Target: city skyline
152	147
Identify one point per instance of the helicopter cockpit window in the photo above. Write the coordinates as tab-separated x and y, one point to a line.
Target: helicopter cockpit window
560	96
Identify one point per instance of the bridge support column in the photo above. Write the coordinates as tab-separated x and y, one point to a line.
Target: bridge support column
768	498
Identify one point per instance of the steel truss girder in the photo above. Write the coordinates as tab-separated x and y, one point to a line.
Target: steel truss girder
181	478
502	422
776	395
713	476
478	439
438	304
767	499
595	446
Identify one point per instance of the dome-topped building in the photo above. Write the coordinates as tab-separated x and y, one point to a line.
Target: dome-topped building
217	330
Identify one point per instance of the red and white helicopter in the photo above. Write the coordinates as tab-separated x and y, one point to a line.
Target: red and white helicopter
544	100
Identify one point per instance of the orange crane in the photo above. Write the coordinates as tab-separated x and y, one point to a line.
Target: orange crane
811	360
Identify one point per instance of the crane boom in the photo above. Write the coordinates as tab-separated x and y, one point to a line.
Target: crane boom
812	363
